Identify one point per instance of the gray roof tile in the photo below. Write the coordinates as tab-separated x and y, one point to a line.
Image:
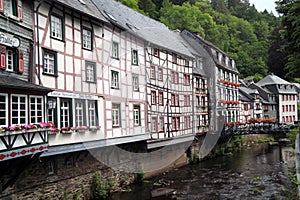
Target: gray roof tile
88	8
142	26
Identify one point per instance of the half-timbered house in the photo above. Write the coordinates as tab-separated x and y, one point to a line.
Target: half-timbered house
95	70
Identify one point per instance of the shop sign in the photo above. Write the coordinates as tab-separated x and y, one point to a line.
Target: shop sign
9	40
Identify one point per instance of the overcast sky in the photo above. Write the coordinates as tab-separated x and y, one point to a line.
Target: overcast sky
261	5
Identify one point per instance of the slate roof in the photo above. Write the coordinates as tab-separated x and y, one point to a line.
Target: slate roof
88	8
272	79
9	82
209	46
142	26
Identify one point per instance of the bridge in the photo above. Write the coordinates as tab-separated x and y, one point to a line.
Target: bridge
275	129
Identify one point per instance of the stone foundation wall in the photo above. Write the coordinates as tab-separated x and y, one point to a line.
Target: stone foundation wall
38	181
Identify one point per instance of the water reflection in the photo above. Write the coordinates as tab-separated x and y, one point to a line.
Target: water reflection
258	172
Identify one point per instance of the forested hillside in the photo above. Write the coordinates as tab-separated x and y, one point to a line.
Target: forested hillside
234	26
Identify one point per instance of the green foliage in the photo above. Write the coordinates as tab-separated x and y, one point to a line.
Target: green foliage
265	140
292	135
290	21
98	188
256	179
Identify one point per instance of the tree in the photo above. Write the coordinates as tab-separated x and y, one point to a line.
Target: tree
290	10
149	8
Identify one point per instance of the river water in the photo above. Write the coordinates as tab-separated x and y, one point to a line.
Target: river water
256	172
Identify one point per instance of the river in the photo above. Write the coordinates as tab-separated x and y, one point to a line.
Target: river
256	172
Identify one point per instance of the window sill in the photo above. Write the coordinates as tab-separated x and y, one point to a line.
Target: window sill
59	39
53	75
92	82
12	17
84	48
136	90
115	58
115	88
118	126
135	64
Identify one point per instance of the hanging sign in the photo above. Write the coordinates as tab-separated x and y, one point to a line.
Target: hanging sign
9	40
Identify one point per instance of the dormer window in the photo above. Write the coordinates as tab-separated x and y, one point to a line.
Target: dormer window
232	63
82	2
220	57
226	61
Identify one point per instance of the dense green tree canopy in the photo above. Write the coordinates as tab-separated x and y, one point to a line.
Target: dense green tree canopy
234	26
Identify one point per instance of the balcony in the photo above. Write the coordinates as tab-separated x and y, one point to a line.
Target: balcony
19	141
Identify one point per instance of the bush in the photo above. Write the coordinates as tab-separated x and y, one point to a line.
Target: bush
98	189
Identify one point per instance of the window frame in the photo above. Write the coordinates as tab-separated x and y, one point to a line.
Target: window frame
47	51
156	52
83	42
153	100
135	85
115	50
134	57
115	82
80	118
36	109
91	121
161	124
160	74
153	124
116	107
69	110
6	105
160	98
93	65
137	107
61	27
18	109
152	72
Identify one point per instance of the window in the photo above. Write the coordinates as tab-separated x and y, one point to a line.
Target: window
161	124
18	109
186	63
90	71
65	113
293	108
187	121
135	82
174	99
186	79
135	60
153	97
283	109
154	124
174	58
70	161
160	74
12	8
92	113
175	123
11	59
156	52
87	39
56	28
51	105
115	50
114	79
116	115
137	115
36	109
50	65
174	77
152	72
187	100
161	98
3	110
79	113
